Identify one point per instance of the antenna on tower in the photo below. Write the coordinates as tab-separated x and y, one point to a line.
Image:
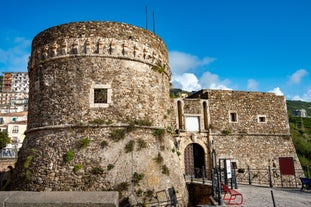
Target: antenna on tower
153	21
146	17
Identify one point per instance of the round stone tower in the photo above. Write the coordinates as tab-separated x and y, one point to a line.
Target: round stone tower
98	108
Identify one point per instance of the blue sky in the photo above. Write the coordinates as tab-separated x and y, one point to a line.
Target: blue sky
248	45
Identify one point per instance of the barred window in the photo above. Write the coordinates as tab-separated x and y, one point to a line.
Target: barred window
100	95
15	129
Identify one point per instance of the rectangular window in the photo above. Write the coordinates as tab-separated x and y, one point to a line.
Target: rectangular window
233	117
15	129
100	95
262	119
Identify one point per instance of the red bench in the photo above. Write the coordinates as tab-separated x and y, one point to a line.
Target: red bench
233	195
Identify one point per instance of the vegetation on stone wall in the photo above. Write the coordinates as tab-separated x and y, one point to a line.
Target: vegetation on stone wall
103	144
165	170
97	170
129	147
225	132
117	134
84	142
159	133
158	159
99	121
27	162
77	167
69	156
110	167
141	144
137	177
158	67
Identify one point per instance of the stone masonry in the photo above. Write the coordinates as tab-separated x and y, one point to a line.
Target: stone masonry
98	98
250	128
100	118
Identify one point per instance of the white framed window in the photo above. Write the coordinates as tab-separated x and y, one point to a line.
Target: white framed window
262	119
192	123
233	116
100	95
15	129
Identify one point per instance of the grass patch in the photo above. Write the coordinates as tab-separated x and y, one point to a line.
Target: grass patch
69	156
141	144
225	132
77	167
137	177
117	134
159	159
110	167
104	144
100	122
159	133
122	187
83	143
97	171
165	170
129	147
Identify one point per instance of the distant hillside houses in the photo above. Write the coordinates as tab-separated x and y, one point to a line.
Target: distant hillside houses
300	113
13	110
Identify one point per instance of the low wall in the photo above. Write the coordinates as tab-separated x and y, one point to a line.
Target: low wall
59	199
6	162
199	194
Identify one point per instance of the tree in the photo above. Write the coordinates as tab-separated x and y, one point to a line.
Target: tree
4	140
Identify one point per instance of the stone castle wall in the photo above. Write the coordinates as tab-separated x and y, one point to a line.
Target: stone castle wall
126	147
248	106
69	60
247	139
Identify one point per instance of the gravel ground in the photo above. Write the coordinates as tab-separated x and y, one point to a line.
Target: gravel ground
255	196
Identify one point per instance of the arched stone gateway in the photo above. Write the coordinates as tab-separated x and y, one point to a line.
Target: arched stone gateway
194	159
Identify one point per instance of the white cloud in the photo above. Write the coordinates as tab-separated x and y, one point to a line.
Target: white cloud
297	98
186	81
16	57
305	97
212	81
296	77
252	85
182	62
277	91
182	65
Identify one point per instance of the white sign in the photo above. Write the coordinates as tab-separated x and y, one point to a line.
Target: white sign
192	123
228	164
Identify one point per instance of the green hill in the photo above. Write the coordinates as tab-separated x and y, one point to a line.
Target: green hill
300	129
293	105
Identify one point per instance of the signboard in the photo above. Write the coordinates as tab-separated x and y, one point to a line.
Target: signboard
287	166
192	123
228	166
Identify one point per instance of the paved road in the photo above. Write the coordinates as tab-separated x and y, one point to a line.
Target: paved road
255	196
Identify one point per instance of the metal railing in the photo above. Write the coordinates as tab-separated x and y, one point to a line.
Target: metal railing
269	177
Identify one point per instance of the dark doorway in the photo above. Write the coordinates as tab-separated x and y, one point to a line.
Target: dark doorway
194	160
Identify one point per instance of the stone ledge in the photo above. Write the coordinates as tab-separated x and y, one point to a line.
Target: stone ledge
59	199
